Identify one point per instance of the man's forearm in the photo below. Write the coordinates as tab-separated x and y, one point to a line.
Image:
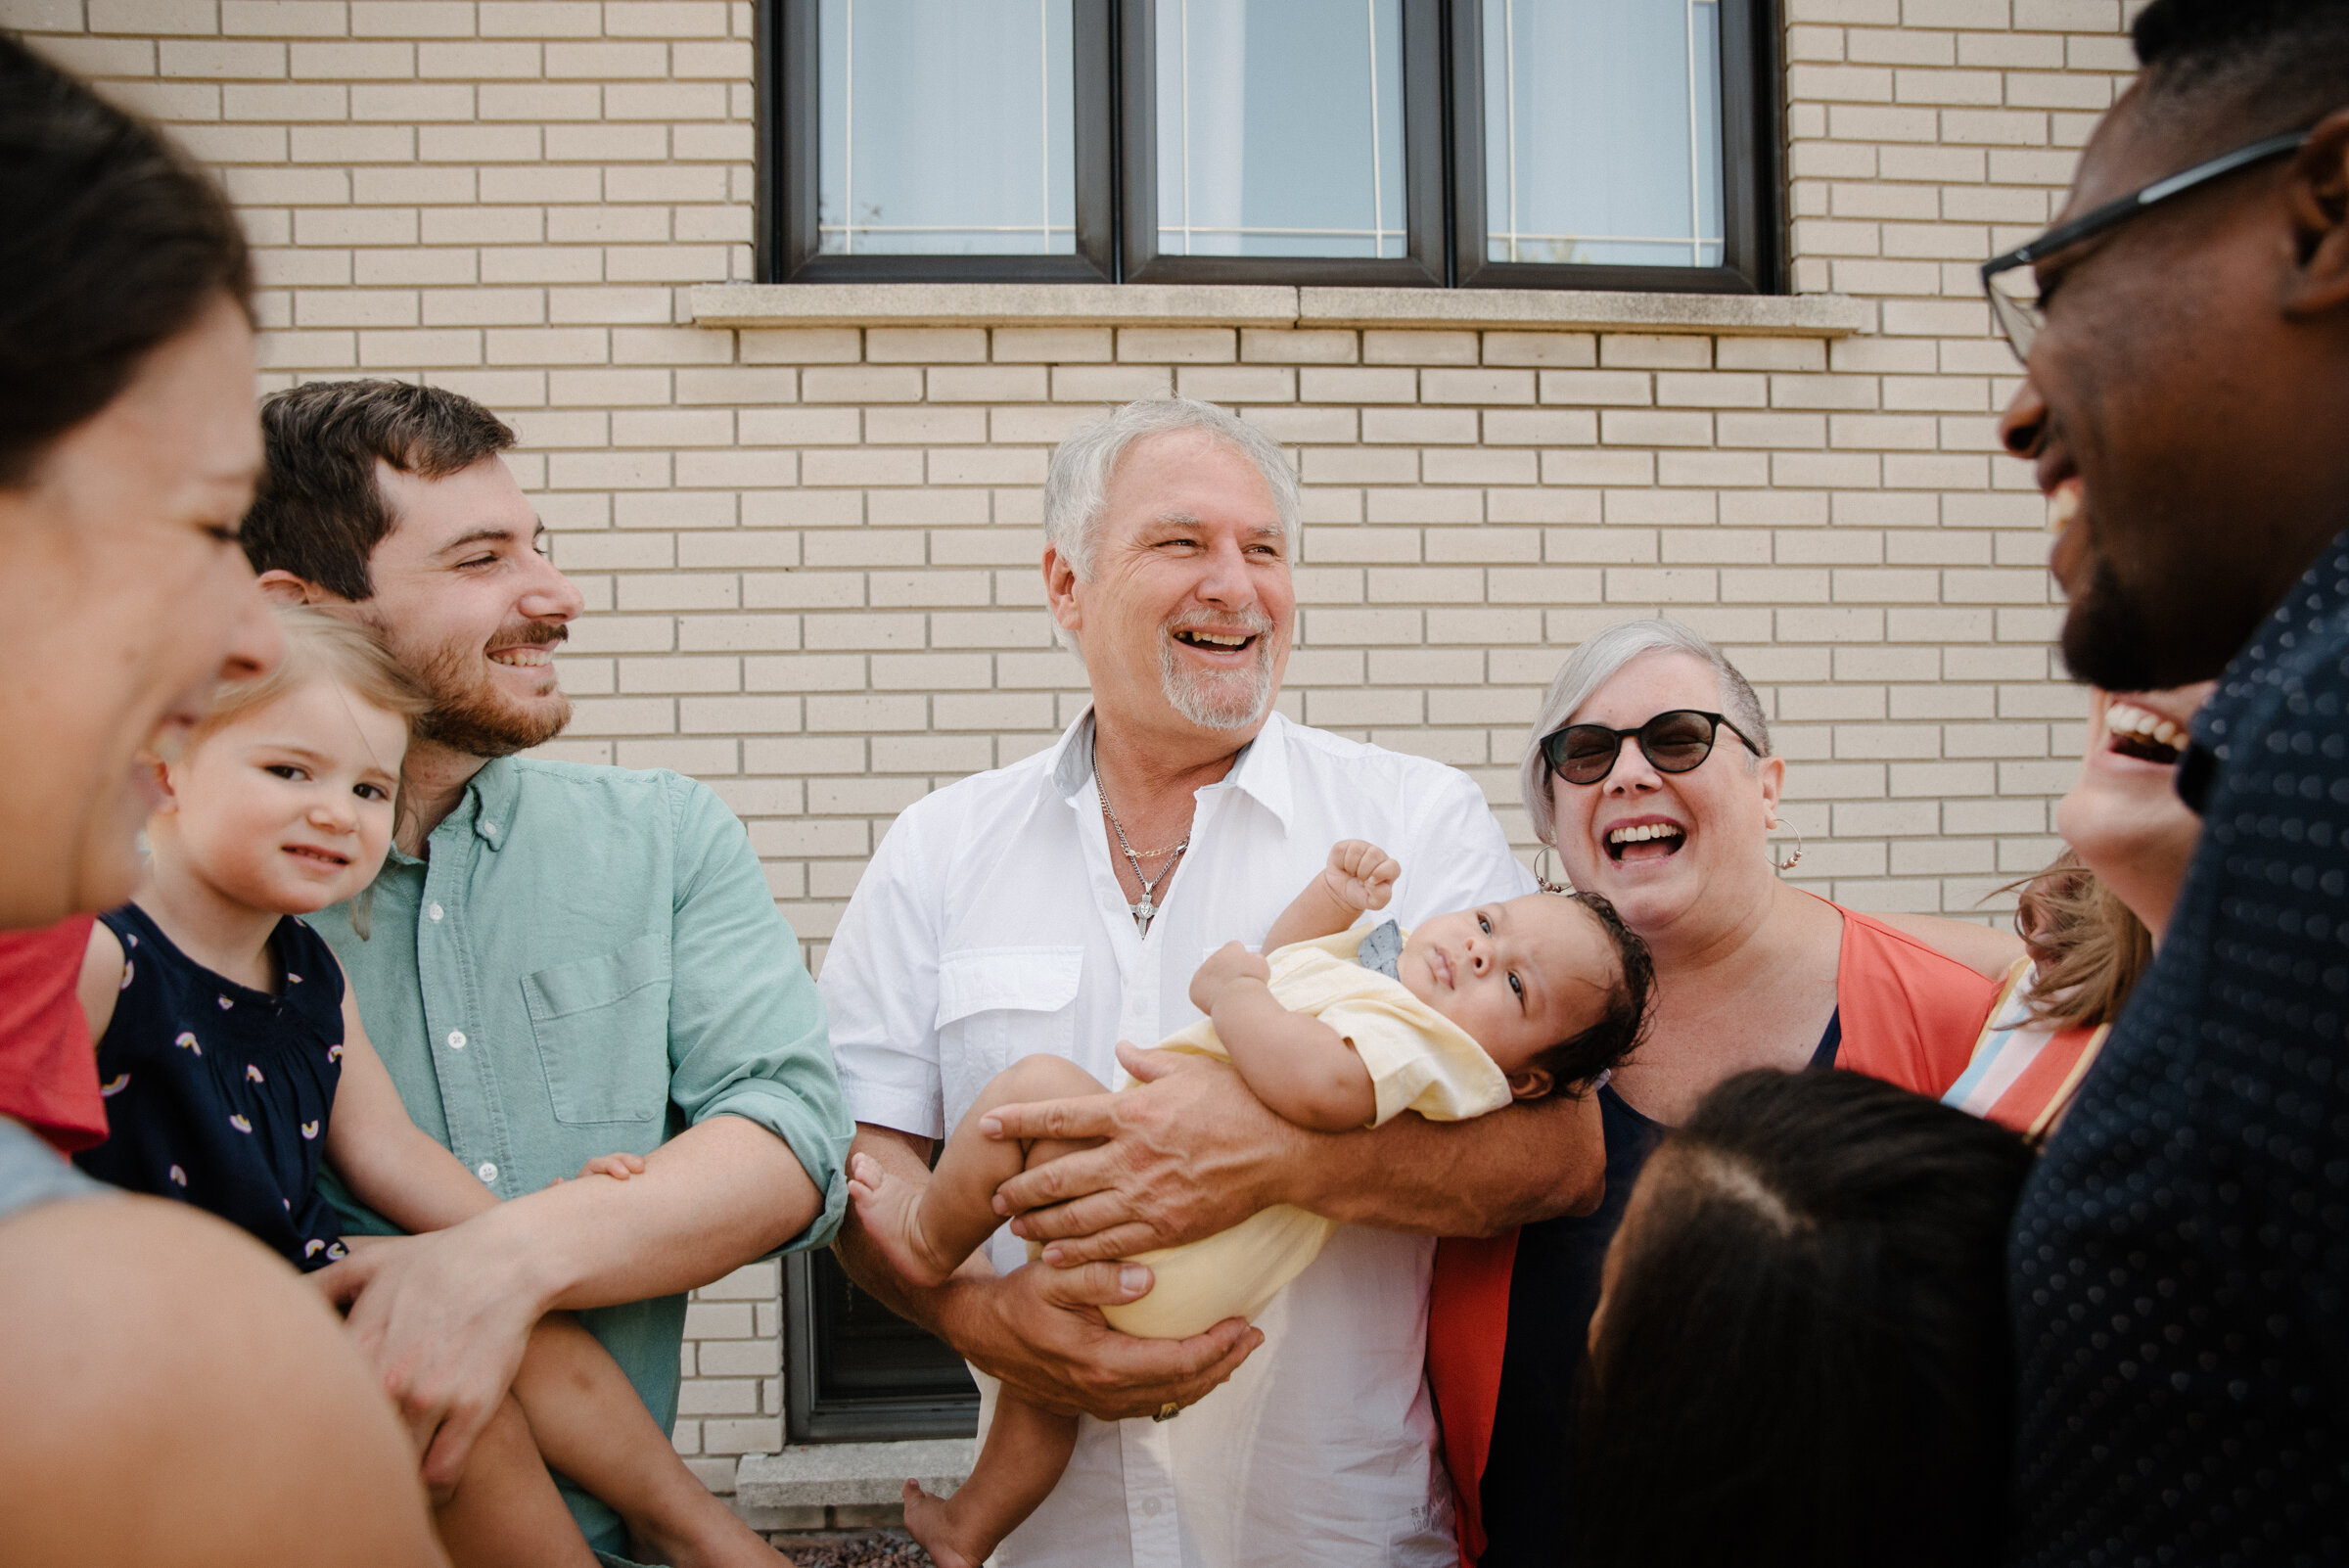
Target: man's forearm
1534	1160
1192	1152
718	1195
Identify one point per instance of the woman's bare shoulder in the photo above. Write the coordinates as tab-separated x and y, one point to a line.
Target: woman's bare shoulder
1985	950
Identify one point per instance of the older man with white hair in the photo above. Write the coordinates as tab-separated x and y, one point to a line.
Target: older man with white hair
1060	905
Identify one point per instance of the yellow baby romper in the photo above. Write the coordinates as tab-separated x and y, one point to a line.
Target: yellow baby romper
1418	1059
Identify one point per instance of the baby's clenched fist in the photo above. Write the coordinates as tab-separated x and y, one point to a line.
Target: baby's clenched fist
1360	875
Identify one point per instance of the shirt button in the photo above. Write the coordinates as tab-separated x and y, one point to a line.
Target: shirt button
486	1172
489	828
456	1040
434	911
1150	1507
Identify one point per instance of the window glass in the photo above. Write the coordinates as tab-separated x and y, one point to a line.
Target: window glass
1280	127
946	127
1602	132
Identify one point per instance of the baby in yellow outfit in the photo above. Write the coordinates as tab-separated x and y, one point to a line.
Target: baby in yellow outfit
1339	1027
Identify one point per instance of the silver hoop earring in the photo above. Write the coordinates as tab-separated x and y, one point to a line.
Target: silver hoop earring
1542	873
1796	858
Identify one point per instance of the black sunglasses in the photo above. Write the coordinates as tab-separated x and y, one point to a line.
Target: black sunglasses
2018	315
1673	742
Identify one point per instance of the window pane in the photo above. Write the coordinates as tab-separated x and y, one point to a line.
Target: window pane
946	127
1280	127
863	1351
1602	132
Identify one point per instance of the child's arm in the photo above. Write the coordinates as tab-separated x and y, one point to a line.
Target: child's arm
390	1162
393	1165
1299	1067
1359	876
101	983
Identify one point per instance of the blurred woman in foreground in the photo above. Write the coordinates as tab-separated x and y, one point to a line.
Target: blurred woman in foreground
177	1396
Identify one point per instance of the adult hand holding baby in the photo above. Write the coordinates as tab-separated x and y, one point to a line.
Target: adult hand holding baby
1187	1153
1040	1333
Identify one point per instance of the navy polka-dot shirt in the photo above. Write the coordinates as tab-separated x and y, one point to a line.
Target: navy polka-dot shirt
2180	1261
216	1095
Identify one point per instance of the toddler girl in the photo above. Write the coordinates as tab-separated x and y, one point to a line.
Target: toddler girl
1339	1028
232	1057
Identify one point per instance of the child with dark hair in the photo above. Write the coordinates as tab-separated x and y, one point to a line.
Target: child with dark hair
1800	1355
1340	1025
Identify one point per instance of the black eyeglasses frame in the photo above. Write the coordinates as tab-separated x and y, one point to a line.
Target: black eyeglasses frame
1553	744
2020	322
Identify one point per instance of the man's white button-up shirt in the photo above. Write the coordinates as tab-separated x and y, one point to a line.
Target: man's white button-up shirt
989	927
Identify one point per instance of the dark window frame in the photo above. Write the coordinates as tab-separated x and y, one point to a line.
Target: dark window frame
1752	170
813	1413
1117	187
788	247
1422	263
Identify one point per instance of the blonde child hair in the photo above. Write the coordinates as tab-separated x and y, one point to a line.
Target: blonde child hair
324	647
321	646
2087	947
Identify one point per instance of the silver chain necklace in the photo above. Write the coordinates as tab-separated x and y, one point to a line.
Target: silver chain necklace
1143	909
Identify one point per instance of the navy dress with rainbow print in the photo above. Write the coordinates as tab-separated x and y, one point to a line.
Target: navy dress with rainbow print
217	1095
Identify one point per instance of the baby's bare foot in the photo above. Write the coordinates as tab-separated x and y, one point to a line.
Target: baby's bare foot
888	1207
929	1521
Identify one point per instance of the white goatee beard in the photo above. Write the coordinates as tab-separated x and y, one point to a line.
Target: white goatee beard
1215	701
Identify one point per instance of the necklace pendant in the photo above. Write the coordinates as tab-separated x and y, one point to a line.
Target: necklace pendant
1143	909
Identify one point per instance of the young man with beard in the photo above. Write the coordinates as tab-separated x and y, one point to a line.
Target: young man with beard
1062	905
2181	1258
557	961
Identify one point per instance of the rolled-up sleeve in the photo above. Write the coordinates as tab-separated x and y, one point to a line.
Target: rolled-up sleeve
880	985
746	1034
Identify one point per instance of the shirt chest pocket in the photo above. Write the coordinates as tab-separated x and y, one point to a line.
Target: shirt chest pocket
602	1028
998	1004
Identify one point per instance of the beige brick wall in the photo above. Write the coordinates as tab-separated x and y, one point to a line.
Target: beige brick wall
810	556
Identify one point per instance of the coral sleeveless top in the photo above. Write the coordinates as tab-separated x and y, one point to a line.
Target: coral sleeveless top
1908	1014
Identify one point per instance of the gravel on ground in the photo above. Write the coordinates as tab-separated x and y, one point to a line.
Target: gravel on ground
884	1548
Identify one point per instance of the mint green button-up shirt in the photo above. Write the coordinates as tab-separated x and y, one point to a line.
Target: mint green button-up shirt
589	961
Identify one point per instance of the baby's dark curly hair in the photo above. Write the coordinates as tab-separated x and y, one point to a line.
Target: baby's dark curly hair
1574	1062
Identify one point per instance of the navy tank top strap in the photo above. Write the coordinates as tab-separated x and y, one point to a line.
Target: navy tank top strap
1830	1042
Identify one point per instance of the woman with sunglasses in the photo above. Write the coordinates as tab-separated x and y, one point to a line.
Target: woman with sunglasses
1650	777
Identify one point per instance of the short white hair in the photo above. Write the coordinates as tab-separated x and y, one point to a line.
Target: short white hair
1077	485
1595	663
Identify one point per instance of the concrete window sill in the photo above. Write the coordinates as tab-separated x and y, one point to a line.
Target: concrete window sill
836	1475
989	305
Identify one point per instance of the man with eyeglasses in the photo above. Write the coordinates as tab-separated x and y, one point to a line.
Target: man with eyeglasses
2180	1261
